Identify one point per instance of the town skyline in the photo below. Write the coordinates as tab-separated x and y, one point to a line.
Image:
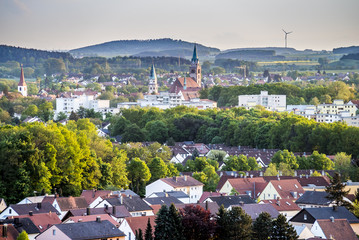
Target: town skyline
66	25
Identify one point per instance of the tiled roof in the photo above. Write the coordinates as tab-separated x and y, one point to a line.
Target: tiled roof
243	185
209	194
24	209
90	230
11	232
91	218
184	181
23	224
287	188
44	220
327	212
22	78
283	205
176	194
178	85
68	203
132	204
254	210
117	211
338	229
162	201
314	197
228	201
91	195
136	223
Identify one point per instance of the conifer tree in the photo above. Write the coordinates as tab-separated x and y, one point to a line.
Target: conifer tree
139	235
262	226
162	229
282	230
176	223
148	233
336	191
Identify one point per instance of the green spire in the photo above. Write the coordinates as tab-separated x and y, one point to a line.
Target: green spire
184	82
153	72
195	57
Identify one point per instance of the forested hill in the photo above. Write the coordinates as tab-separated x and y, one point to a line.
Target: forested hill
346	50
28	56
163	47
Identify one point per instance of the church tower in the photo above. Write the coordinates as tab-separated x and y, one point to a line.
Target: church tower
195	68
22	87
152	85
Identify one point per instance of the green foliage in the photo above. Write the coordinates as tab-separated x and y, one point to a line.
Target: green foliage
23	236
285	157
271	170
157	168
282	229
336	191
233	224
148	233
262	227
139	174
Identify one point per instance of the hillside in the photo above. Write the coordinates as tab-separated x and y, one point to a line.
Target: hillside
28	56
346	50
156	47
250	55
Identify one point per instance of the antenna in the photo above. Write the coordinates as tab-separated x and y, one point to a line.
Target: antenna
286	34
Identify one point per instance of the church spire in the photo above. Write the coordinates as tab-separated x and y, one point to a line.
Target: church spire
22	87
152	85
195	57
153	72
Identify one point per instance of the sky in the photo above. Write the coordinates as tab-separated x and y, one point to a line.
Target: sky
225	24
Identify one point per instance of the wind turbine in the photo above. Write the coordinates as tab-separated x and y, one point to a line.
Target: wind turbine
286	34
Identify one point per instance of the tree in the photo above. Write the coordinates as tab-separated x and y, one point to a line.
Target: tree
148	233
139	234
237	163
197	223
271	170
31	110
336	191
262	227
233	224
138	173
286	157
285	169
23	236
157	131
282	230
342	163
46	111
133	133
176	223
157	168
73	116
320	161
212	178
61	116
163	228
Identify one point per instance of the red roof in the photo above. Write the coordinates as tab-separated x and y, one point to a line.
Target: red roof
91	195
178	85
287	187
12	233
184	181
22	79
209	194
339	229
242	185
141	223
283	205
43	220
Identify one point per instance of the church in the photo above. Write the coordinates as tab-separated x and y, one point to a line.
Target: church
22	87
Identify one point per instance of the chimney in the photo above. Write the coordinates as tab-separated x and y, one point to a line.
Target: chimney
38	205
98	219
251	175
185	178
206	205
88	211
323	173
175	179
30	213
121	199
4	230
306	176
332	218
335	208
261	173
80	220
114	210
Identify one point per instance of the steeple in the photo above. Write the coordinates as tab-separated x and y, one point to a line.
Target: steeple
152	85
195	57
22	87
184	82
195	68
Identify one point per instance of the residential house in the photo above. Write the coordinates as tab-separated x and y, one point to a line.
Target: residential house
303	232
2	204
25	209
314	199
289	189
135	205
8	232
250	186
205	195
308	216
95	230
132	224
187	184
254	210
24	224
338	229
228	201
34	199
64	204
94	197
43	220
284	206
181	196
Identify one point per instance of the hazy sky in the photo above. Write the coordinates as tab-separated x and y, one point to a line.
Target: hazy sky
69	24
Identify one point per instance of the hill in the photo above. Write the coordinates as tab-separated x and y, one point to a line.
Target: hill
28	56
278	50
153	47
346	50
250	55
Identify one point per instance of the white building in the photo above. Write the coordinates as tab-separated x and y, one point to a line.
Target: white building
165	100
337	107
270	102
69	102
192	187
22	87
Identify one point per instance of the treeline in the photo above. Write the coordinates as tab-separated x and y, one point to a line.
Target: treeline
309	94
194	222
236	126
37	159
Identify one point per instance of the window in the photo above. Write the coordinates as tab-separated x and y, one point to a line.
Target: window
305	216
54	232
10	210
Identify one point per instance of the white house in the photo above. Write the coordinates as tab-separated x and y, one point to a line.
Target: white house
270	102
192	187
131	224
